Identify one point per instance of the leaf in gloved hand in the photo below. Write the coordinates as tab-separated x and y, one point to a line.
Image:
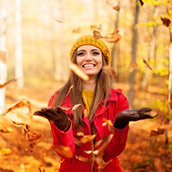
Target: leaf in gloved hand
63	151
87	138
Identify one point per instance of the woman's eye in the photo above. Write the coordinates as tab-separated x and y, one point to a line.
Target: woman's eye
96	53
80	54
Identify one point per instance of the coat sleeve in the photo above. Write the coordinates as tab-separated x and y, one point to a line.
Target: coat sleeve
118	141
61	137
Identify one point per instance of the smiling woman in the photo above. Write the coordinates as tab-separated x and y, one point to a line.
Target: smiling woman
89	119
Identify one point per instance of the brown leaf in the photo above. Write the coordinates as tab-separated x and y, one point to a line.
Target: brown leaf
112	37
7	82
87	138
110	72
145	62
78	71
5	151
97	34
77	30
21	103
157	132
34	136
166	21
6	130
3	56
69	90
141	2
117	8
63	151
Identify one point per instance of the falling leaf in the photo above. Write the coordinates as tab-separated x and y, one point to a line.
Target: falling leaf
98	27
77	30
166	21
63	151
21	103
133	66
110	72
7	82
87	138
5	151
59	21
141	2
3	56
6	130
34	136
112	37
117	8
145	62
81	158
78	71
97	34
157	132
76	107
69	90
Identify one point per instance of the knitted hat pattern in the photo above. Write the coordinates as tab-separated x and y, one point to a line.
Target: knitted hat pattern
90	40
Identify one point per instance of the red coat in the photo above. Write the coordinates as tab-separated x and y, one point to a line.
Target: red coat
116	103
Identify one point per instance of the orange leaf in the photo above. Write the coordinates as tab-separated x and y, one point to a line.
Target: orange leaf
5	151
157	132
97	34
78	71
77	30
112	37
19	104
110	72
7	82
3	56
6	130
165	21
145	62
117	8
63	151
34	136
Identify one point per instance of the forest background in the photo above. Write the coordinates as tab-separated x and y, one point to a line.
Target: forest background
35	41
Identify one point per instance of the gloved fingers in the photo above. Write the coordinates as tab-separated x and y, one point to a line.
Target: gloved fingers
40	113
143	110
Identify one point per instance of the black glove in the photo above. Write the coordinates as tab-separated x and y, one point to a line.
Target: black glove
124	117
58	116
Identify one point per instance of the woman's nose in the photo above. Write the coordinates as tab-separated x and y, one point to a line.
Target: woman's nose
88	56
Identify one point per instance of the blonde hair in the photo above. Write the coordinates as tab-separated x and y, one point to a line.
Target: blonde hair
102	91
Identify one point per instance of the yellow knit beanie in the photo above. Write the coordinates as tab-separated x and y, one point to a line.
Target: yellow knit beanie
90	40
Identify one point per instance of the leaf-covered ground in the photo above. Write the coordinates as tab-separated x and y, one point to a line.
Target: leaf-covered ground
29	148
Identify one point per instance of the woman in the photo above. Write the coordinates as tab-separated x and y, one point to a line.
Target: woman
100	105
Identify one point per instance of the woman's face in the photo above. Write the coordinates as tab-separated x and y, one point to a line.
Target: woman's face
89	59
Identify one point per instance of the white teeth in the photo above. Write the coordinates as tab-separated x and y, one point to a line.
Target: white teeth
88	66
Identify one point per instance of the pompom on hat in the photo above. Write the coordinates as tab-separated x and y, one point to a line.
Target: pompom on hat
90	40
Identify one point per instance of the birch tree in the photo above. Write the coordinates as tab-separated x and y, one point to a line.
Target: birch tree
18	46
3	54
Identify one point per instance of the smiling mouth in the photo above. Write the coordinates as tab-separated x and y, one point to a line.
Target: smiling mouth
88	66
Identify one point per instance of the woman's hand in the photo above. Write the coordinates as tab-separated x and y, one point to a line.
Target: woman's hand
124	117
57	115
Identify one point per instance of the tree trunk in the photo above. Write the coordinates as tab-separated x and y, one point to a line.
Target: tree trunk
133	59
18	47
3	54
